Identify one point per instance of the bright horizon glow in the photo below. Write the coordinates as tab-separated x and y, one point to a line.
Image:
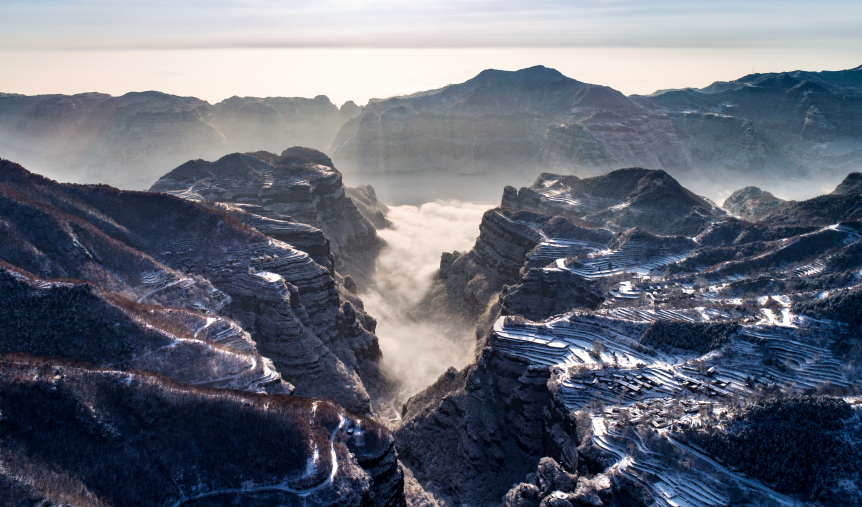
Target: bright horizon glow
360	74
362	49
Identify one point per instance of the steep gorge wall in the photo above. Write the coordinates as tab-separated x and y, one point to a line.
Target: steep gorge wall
475	432
161	249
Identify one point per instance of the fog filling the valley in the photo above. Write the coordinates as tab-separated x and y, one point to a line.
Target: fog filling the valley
415	353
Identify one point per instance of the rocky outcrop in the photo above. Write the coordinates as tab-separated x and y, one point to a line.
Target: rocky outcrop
542	293
160	249
365	199
84	435
301	185
467	281
751	203
306	238
129	141
621	199
551	486
510	246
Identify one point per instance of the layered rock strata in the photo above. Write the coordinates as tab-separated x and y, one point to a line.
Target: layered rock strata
159	249
299	186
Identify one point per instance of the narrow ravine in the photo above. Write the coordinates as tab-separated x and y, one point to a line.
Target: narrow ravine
415	351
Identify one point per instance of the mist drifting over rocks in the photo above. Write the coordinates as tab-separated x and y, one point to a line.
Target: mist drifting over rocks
417	351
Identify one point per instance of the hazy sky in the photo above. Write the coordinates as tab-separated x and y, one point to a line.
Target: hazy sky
208	48
102	24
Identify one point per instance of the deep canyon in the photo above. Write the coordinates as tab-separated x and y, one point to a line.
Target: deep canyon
645	300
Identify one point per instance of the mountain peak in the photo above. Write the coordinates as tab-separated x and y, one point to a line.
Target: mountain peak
852	184
535	74
751	203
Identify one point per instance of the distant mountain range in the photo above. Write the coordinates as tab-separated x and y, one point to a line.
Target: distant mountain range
788	125
131	140
503	124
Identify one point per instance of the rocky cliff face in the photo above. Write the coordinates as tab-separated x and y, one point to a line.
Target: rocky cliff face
130	140
118	438
159	249
601	138
365	199
301	186
468	281
474	433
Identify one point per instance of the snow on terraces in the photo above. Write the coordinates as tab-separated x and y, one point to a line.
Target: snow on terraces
569	341
665	389
804	361
169	288
560	197
648	315
627	292
552	249
670	483
287	262
801	247
561	200
189	194
815	268
608	342
634	257
224	368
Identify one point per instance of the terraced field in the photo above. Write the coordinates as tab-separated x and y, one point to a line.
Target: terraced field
599	361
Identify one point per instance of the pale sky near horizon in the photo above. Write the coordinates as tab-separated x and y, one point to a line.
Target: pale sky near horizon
376	48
